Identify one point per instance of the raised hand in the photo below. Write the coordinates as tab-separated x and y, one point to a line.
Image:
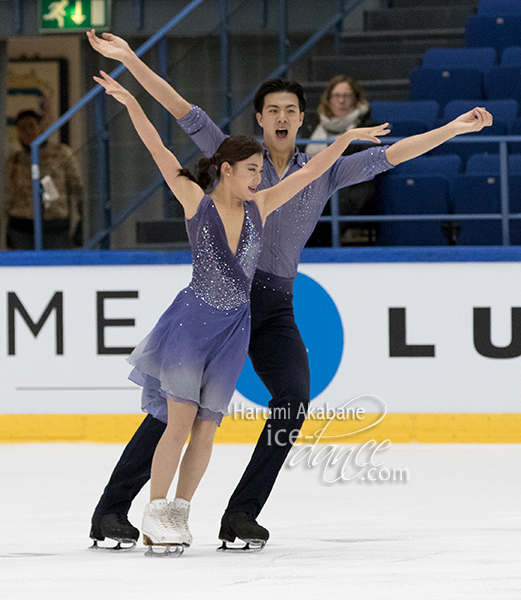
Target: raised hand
474	120
370	134
113	88
109	45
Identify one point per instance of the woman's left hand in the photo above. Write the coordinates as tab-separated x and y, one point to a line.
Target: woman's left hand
113	88
371	134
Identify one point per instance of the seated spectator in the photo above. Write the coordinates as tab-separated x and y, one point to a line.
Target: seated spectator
342	107
60	213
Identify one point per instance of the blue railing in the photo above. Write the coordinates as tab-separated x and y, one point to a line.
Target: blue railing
505	216
103	153
108	222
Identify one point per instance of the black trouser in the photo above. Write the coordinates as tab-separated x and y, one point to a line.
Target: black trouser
280	359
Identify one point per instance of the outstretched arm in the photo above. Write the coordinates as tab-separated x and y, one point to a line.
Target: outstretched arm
270	199
188	192
112	46
416	145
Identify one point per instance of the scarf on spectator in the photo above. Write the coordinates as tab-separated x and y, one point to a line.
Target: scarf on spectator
337	125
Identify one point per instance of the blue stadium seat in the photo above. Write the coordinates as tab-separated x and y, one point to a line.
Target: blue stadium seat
473	194
425	111
406	118
488	164
467	149
408	128
514	190
515	129
444	85
499	8
447	165
419	194
480	58
496	32
503	82
511	57
503	111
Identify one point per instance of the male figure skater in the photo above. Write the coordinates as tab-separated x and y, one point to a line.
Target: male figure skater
276	349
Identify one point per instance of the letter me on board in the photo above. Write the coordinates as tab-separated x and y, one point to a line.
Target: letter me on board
14	304
103	322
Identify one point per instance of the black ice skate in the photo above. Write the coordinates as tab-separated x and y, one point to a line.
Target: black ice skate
115	526
243	526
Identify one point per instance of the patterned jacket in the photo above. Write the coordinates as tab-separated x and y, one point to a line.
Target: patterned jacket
56	160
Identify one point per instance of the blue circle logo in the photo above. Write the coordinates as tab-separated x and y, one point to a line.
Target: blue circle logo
321	328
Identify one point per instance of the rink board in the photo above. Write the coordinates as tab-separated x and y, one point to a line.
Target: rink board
429	344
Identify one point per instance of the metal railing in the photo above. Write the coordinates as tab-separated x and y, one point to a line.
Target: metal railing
103	150
505	216
109	221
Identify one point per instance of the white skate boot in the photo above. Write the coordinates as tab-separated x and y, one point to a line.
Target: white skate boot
158	530
179	511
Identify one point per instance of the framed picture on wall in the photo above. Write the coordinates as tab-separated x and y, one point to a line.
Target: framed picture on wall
40	85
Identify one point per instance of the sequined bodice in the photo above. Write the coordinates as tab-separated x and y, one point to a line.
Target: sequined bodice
288	228
220	278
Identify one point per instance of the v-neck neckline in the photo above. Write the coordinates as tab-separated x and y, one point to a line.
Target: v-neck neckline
234	254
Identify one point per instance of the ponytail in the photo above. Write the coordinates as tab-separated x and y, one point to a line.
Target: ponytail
232	150
206	172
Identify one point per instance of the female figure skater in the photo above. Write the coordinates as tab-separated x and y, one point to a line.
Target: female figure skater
190	362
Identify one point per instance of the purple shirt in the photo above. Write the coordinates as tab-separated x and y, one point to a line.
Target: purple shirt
288	228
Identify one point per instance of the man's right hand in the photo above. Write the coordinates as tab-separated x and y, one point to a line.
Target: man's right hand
109	45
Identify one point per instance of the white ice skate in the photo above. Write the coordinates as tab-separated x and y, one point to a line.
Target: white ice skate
179	510
158	530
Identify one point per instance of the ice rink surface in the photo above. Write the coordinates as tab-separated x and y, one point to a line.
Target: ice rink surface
452	531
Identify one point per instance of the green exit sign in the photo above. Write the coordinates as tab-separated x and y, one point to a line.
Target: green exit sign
73	15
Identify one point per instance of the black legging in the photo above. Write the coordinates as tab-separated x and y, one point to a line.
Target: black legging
280	359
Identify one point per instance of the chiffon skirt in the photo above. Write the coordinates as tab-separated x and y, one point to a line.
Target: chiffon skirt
195	352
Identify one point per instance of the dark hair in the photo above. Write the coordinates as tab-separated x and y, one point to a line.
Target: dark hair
28	113
232	150
273	86
324	107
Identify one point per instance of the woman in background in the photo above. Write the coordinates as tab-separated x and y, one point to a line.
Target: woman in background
342	107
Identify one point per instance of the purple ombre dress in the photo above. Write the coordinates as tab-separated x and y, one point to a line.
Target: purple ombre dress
198	347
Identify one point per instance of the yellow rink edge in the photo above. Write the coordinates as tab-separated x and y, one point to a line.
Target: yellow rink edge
399	428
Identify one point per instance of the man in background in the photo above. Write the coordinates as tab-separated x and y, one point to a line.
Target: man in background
60	211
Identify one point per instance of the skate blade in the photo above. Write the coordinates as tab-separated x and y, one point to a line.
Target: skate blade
117	548
169	550
250	546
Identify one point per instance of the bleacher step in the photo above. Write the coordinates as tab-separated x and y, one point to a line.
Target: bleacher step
376	67
401	41
417	17
431	3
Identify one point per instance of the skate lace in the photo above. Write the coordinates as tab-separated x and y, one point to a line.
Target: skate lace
179	518
161	520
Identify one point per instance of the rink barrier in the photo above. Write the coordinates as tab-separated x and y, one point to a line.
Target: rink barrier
409	254
399	428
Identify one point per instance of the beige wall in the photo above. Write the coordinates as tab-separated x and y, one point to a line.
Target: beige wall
56	46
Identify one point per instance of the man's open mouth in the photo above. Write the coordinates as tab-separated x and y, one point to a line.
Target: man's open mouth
281	134
252	189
